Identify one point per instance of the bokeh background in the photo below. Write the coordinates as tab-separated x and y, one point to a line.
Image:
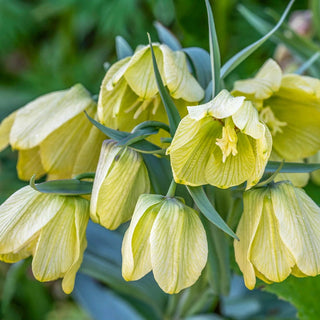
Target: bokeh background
48	45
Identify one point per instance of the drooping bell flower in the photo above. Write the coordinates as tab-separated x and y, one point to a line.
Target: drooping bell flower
167	237
289	105
279	234
221	143
51	228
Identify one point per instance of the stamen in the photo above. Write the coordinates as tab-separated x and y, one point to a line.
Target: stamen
267	116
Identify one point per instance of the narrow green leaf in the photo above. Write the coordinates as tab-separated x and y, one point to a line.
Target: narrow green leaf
315	7
85	175
167	37
306	65
205	206
123	48
137	136
152	124
113	134
232	63
68	187
172	112
292	167
214	52
201	63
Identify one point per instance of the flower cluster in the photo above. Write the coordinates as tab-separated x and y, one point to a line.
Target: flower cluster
226	142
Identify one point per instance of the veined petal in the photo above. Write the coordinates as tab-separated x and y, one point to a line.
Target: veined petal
268	253
180	81
59	151
5	128
247	120
115	201
115	73
252	211
140	74
263	85
136	260
236	169
191	148
23	215
58	247
179	247
38	119
222	106
29	163
299	225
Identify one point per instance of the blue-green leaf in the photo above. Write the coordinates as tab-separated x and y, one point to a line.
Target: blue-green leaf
232	63
152	124
201	62
306	65
214	52
137	136
172	112
123	48
167	37
205	206
292	167
68	187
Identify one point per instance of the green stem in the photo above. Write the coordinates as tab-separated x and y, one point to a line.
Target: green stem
172	189
85	175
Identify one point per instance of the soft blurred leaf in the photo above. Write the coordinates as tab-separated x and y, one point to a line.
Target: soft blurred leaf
123	48
167	37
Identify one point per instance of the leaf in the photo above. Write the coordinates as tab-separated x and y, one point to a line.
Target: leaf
100	301
68	187
171	110
307	64
123	48
303	293
315	7
292	167
137	136
218	266
214	52
205	206
201	62
152	124
232	63
167	37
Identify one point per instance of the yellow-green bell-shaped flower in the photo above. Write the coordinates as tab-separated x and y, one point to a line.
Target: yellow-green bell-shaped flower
121	177
129	94
221	143
53	135
51	228
279	234
289	105
167	237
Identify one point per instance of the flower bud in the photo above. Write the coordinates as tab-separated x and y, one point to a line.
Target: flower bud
279	234
121	177
167	237
49	227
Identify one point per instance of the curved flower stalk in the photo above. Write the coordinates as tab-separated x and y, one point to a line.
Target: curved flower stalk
129	94
221	143
51	228
279	234
53	135
289	105
167	237
121	177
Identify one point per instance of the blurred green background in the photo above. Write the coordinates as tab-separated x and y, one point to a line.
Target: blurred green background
50	45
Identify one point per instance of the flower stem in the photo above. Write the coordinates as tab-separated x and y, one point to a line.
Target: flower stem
172	189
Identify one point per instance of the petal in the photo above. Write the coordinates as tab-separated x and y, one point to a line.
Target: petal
115	200
247	120
179	246
299	225
38	119
252	211
136	261
180	82
60	150
263	85
29	163
5	128
23	215
115	73
236	169
191	147
58	247
268	253
222	106
140	73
